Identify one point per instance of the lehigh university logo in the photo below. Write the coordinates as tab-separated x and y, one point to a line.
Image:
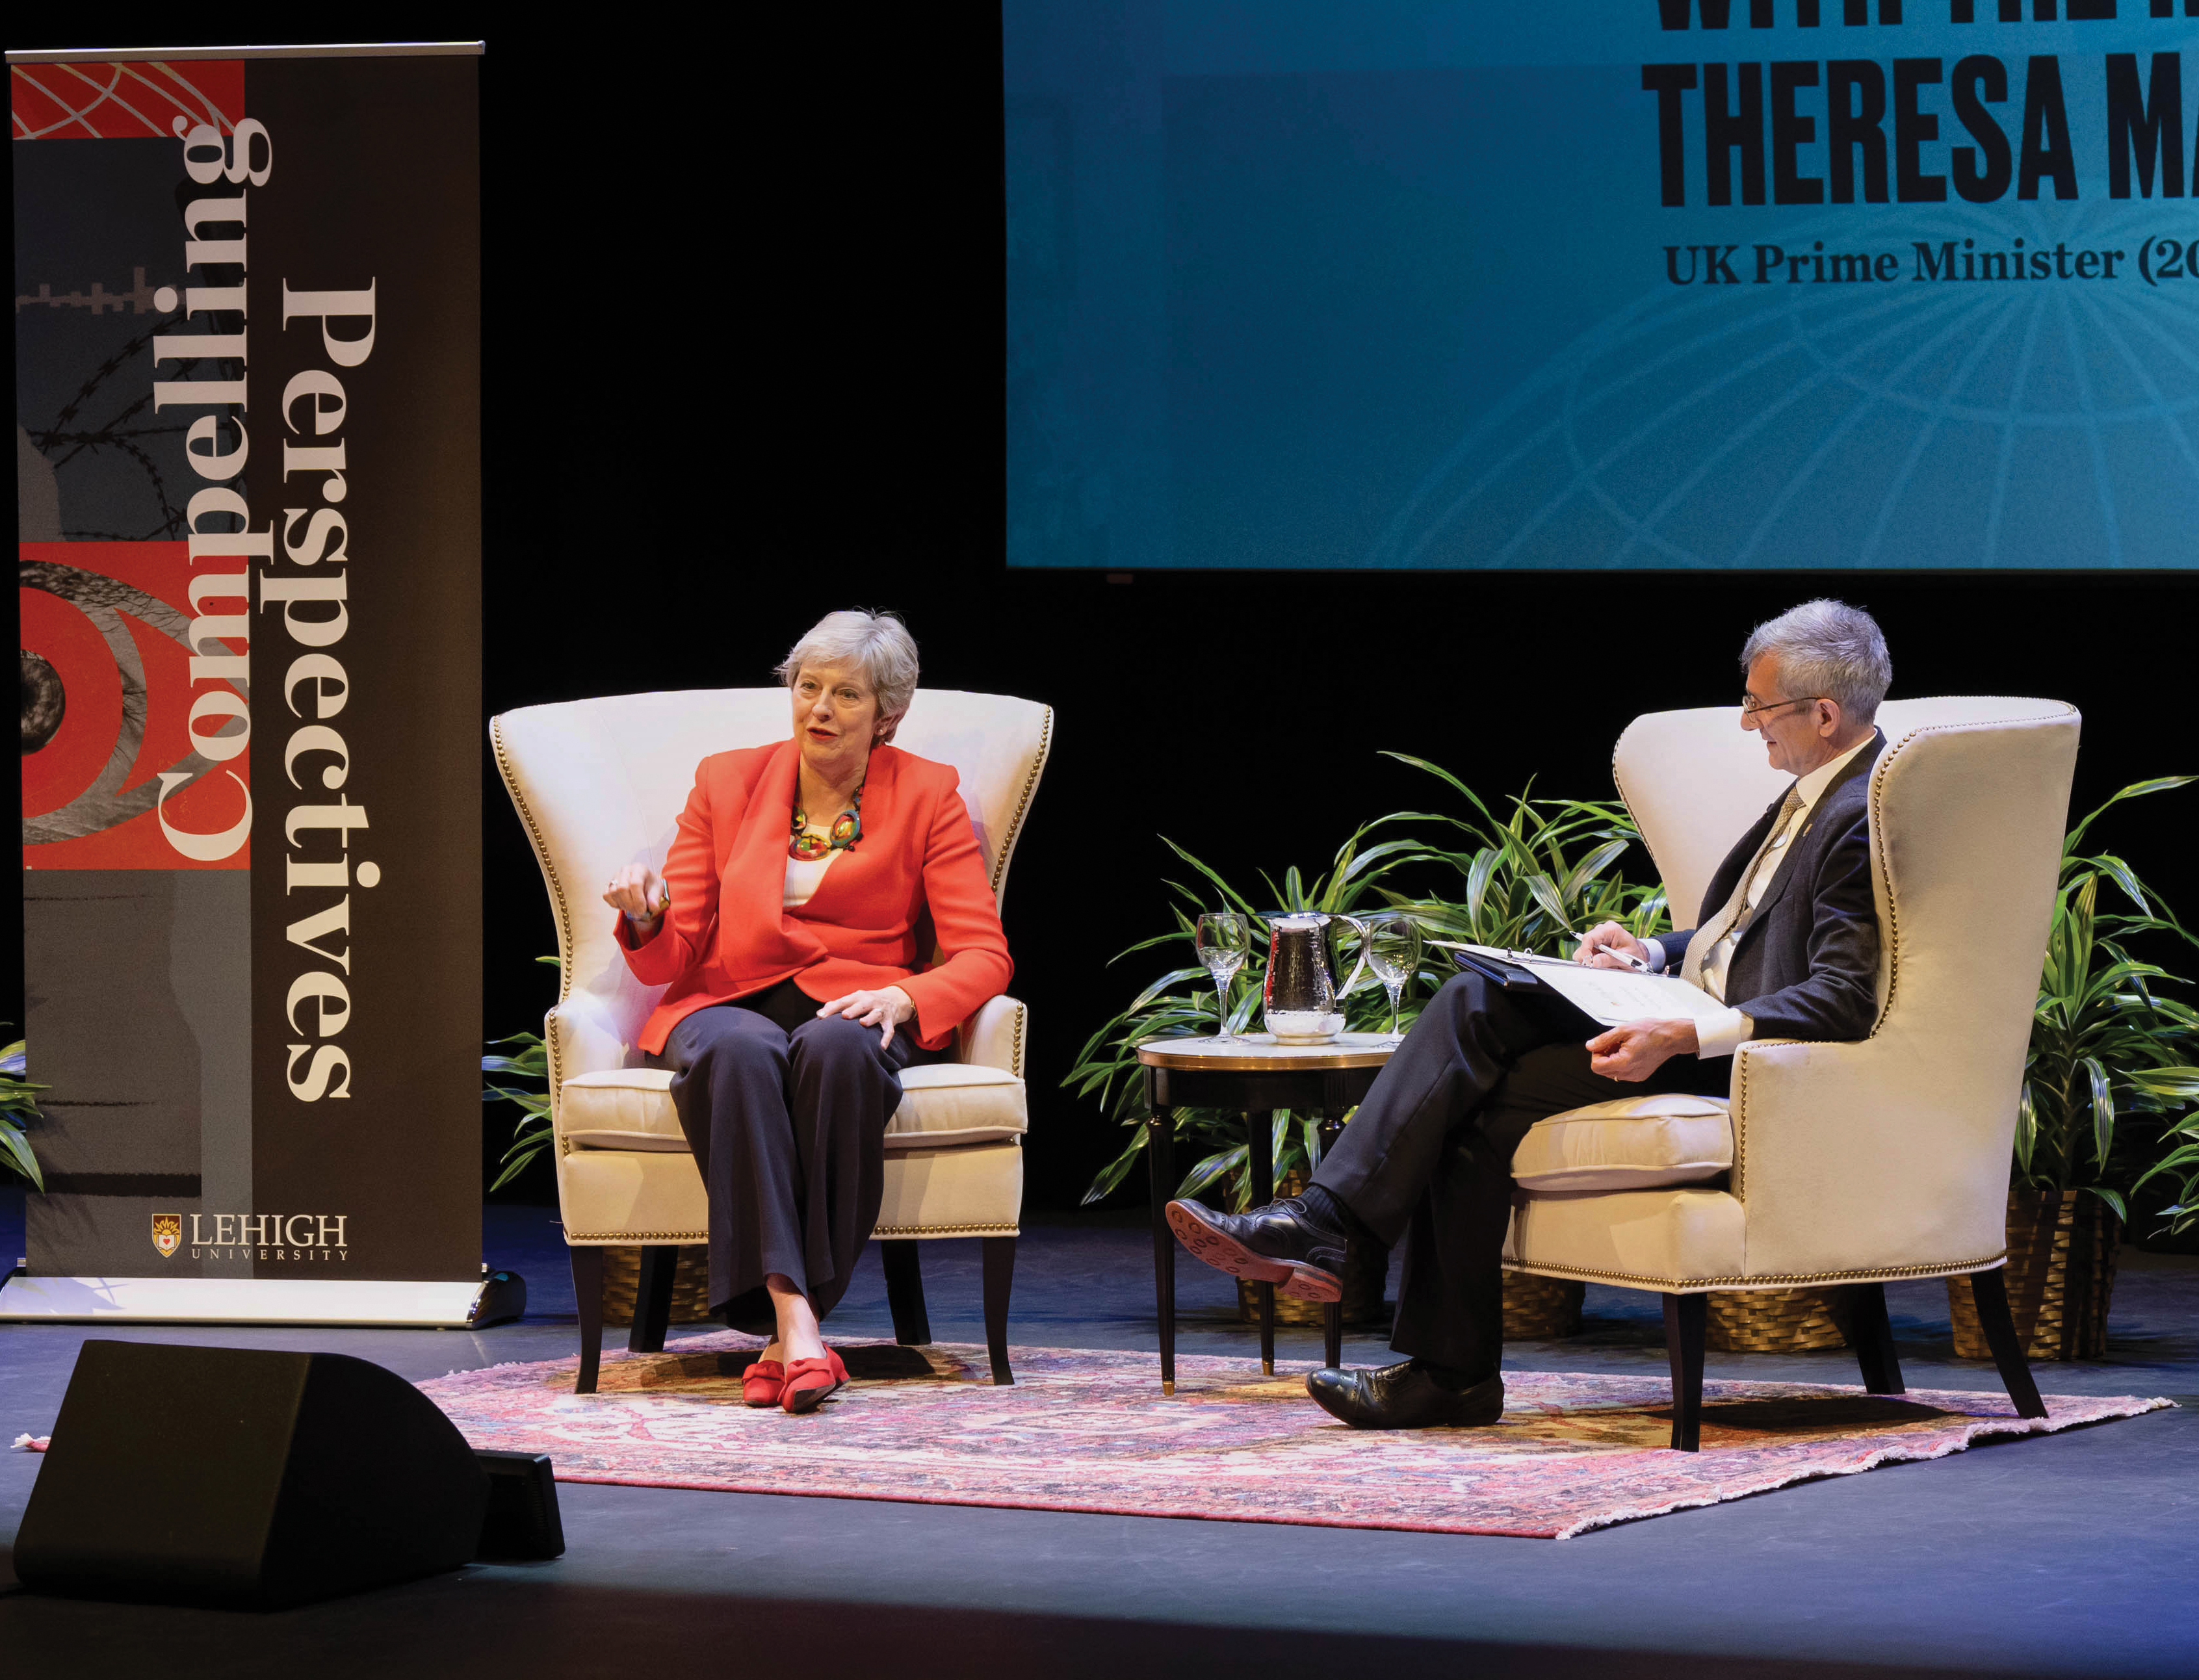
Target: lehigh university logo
167	1232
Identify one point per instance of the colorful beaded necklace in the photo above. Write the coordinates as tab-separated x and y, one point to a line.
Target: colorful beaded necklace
847	829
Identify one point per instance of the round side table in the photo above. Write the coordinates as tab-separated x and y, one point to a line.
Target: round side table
1251	1074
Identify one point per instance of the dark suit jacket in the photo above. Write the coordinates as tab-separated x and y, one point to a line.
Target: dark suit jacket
1807	965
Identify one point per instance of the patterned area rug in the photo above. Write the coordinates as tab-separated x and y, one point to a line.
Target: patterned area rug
1088	1431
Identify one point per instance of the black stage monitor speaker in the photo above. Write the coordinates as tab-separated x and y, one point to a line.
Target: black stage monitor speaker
236	1477
522	1521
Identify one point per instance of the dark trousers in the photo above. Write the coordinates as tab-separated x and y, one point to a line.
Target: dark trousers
786	1114
1428	1156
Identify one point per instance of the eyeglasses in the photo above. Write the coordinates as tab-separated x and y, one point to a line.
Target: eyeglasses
1752	707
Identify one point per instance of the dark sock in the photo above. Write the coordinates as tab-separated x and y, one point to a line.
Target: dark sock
1325	1207
1451	1377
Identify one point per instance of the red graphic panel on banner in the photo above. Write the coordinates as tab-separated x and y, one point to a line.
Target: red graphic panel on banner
122	101
116	774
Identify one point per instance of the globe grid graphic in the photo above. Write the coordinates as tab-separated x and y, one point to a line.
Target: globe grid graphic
2021	423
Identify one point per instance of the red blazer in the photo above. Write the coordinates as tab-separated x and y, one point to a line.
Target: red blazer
914	882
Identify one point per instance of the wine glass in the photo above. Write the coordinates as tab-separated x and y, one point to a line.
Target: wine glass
1393	952
1224	938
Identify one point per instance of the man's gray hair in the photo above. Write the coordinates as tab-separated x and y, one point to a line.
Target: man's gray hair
1828	648
879	643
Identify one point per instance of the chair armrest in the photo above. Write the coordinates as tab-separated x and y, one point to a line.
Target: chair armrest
993	1036
581	1037
1889	1154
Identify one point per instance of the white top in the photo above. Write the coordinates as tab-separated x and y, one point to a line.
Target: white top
803	878
1725	1033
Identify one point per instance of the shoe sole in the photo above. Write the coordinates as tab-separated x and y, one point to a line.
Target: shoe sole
806	1400
1292	1278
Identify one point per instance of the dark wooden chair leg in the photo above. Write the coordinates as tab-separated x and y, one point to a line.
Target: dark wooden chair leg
1160	1168
1687	1320
1000	1279
1332	1314
1989	1290
652	1301
1259	1153
1874	1339
588	1297
905	1290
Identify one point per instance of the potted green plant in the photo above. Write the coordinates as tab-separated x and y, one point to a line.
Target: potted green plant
19	1106
1531	880
2107	1043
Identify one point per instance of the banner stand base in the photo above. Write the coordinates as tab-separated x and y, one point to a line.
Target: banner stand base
494	1298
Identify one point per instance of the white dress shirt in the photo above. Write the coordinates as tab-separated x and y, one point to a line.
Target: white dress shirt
1723	1034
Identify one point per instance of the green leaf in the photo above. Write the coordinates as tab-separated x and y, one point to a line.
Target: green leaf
2135	790
1116	1169
17	1150
1228	892
2104	1109
2112	1199
1219	1164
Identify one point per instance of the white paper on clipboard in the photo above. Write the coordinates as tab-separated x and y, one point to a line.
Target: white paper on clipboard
1614	995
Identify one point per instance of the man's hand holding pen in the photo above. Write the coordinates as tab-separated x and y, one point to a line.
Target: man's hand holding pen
1607	945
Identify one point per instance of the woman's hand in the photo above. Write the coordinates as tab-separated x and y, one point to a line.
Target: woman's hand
886	1009
1608	937
637	893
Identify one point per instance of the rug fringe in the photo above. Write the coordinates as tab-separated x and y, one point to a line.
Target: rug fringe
1891	1453
31	1443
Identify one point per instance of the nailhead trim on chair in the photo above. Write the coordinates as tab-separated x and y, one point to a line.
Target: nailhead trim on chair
947	1231
1877	825
556	898
1023	805
1774	1280
629	1239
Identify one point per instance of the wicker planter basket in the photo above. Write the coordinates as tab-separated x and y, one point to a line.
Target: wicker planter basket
1778	1320
690	1285
1540	1308
2060	1276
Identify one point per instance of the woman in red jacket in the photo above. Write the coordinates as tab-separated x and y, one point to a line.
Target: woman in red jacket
808	887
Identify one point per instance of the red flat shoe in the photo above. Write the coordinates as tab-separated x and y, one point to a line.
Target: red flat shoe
762	1383
811	1382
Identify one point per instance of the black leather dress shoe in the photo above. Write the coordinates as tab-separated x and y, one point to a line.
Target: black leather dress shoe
1404	1397
1277	1244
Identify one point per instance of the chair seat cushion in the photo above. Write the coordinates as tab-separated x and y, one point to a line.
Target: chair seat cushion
943	1103
1636	1143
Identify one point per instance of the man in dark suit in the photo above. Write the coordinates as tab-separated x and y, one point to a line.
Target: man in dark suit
1787	941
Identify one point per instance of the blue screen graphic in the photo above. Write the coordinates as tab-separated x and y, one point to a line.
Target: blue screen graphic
1384	284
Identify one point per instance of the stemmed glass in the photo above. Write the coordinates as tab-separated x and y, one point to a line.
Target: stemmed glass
1223	939
1393	952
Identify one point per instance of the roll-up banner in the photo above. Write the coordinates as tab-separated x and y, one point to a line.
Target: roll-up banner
247	300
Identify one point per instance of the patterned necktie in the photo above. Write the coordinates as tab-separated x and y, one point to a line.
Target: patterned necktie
1735	914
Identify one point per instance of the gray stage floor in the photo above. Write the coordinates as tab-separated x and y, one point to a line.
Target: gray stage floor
2076	1554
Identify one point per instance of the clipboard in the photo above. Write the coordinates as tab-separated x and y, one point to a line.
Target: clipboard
1510	975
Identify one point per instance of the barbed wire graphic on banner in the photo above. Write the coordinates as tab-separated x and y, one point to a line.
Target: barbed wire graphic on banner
108	101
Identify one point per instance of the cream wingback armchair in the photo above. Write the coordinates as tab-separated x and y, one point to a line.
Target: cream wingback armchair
1849	1163
599	783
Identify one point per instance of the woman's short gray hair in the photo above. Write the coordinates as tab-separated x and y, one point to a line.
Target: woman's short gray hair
1828	648
877	642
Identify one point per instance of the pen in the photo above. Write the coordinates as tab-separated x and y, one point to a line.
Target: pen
1625	959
